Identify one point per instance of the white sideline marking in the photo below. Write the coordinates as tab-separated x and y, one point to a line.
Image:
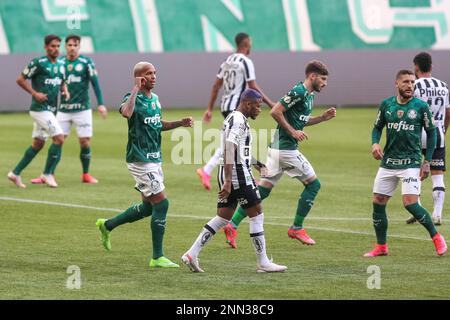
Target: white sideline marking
69	205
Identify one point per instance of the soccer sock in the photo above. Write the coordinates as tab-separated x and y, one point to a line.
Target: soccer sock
213	162
422	215
380	222
53	157
438	194
158	226
85	157
210	229
132	214
240	213
305	203
258	239
29	155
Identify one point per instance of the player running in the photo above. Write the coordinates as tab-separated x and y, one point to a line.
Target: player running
292	113
237	185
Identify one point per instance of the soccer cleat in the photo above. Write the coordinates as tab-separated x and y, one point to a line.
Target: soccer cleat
411	220
437	221
380	250
191	262
17	180
439	244
301	235
231	234
39	180
105	233
49	179
205	178
87	178
271	267
162	262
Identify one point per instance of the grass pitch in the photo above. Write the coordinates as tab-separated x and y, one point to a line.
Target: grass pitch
44	231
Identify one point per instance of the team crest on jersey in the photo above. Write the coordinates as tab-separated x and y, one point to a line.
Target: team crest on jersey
79	67
55	69
412	114
153	105
287	99
70	67
400	113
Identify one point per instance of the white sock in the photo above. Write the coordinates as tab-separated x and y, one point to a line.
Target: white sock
213	162
438	194
258	239
210	229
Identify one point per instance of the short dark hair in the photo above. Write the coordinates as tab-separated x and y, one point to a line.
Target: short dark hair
250	95
241	36
73	37
315	66
423	61
403	72
49	38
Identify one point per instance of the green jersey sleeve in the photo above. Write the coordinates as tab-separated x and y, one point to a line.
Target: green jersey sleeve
428	123
380	121
93	76
31	69
292	98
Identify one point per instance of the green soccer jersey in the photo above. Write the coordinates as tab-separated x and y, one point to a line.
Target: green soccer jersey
80	72
298	104
404	123
144	130
46	77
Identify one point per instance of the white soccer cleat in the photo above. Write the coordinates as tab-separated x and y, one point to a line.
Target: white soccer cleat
49	179
191	262
270	267
17	180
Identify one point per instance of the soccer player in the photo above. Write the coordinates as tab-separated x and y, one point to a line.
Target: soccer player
292	113
435	93
235	74
142	109
237	185
80	70
404	117
47	75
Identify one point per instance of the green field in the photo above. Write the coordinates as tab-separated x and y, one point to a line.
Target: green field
44	231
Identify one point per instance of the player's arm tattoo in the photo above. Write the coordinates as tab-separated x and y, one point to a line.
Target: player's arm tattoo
127	107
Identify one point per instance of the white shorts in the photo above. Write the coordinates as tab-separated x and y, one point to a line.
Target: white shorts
291	162
45	125
149	177
387	179
82	121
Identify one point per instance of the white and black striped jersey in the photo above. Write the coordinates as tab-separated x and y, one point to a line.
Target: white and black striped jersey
236	130
235	71
434	92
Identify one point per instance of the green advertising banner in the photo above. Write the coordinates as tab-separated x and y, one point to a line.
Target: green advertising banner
210	25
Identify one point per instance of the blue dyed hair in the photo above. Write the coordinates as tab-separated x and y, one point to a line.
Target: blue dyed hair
250	94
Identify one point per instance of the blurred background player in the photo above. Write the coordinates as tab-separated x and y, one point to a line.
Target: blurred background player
435	93
142	109
236	74
404	117
80	70
237	185
292	113
47	75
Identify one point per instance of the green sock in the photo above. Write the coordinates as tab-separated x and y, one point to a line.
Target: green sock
132	214
85	157
422	215
240	213
29	155
380	222
305	203
53	157
158	226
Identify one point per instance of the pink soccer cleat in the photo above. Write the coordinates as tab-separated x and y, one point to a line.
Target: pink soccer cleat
301	235
87	178
205	178
380	250
231	234
440	244
38	180
17	180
